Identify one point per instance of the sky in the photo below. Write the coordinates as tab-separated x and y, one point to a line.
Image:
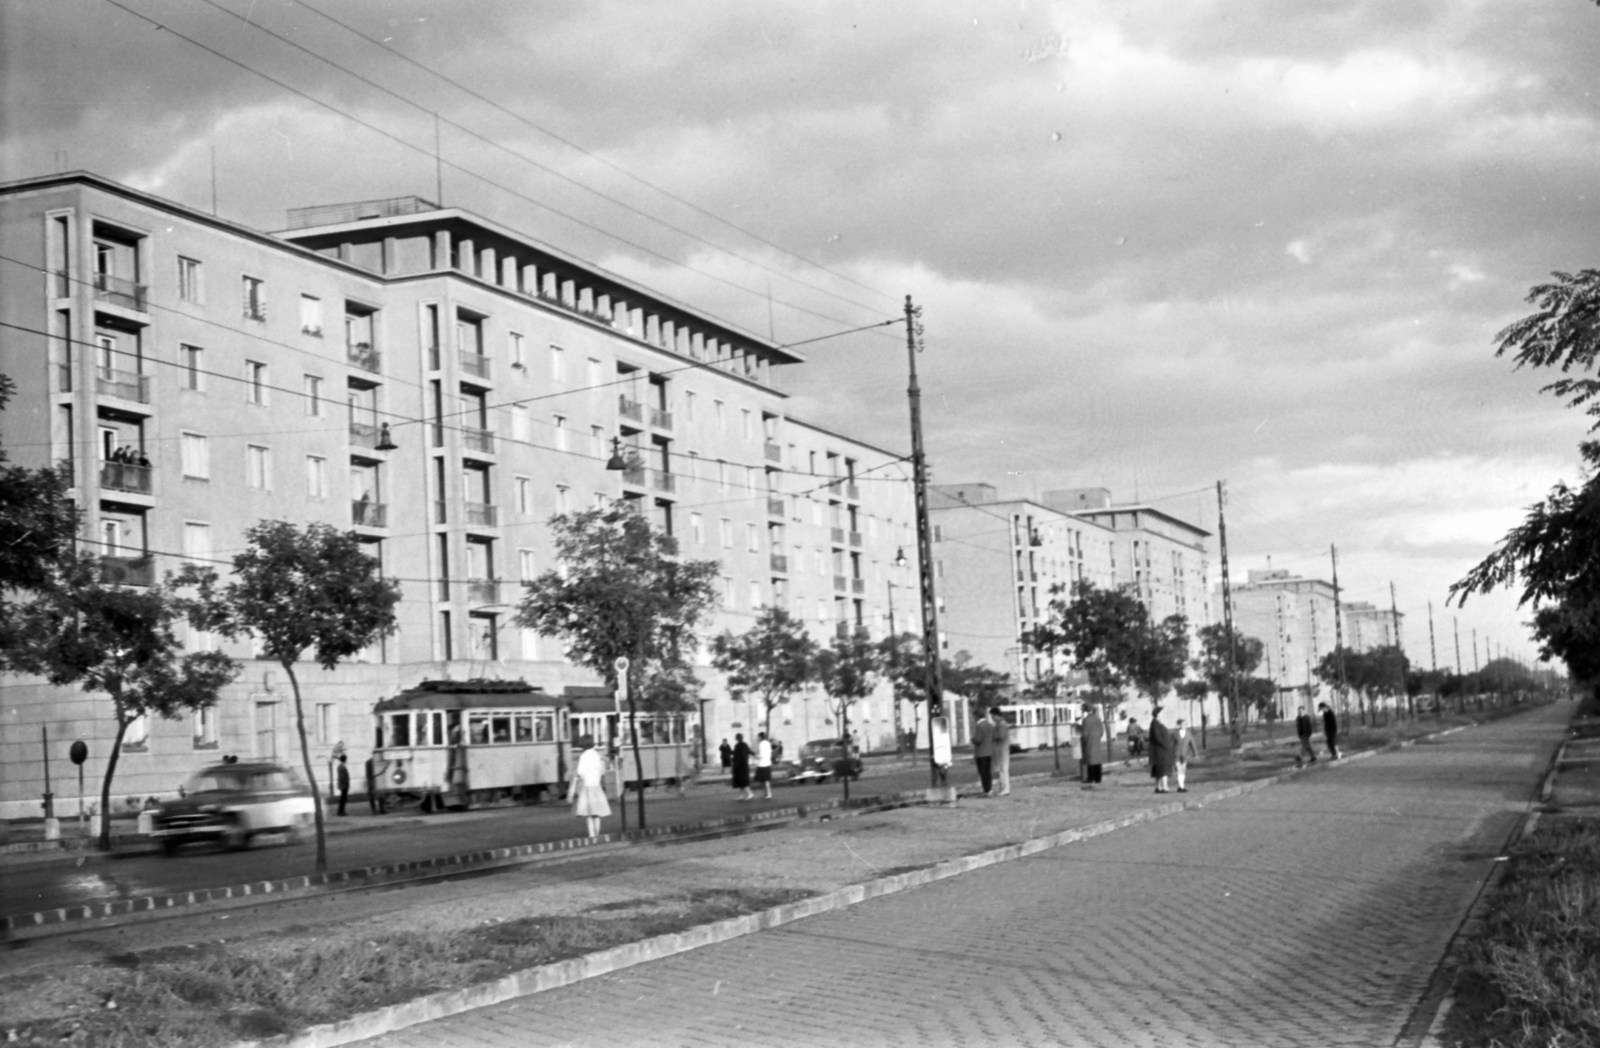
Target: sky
1156	245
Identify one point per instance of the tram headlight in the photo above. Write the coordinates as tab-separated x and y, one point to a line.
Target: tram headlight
398	776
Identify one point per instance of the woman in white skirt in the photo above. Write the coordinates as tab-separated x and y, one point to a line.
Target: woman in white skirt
587	791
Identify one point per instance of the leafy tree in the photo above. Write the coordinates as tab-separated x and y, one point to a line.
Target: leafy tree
298	591
1217	667
1161	654
83	629
622	592
37	519
984	686
907	671
771	660
848	671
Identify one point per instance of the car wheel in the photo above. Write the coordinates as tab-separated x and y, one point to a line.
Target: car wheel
235	837
300	830
169	847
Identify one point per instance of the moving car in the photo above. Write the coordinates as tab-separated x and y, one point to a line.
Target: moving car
822	759
231	803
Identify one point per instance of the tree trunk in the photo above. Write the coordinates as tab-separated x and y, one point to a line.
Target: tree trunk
844	740
311	774
638	760
104	842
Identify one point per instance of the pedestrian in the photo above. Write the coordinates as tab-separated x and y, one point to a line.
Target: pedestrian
1302	728
1160	751
764	764
342	780
1183	748
1330	730
741	766
983	750
1002	750
143	461
1135	739
587	790
374	801
726	753
1094	746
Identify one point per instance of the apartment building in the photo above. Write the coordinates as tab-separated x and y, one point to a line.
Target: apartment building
441	385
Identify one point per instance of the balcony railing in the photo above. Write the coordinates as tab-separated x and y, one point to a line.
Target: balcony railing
630	409
119	292
125	476
855	538
63	378
858	585
664	480
660	418
774	452
780	562
840	583
362	355
369	514
127	385
633	475
483	591
774	507
837	534
364	434
482	514
841	630
128	571
476	364
852	492
478	439
68	472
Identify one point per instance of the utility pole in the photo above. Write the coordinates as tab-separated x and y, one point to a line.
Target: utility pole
1461	695
930	610
1399	649
1338	636
1433	659
438	165
1227	620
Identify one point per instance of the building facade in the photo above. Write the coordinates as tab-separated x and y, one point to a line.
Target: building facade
440	385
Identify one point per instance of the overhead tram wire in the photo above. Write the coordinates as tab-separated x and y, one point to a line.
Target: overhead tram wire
526	122
759	293
258	27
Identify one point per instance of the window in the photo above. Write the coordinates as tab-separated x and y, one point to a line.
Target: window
254	292
560	424
688	405
313	389
527	569
596	373
746	423
191	362
258	467
255	382
727	533
697	528
521	426
138	733
524	488
205	728
558	364
597	442
755	594
189	287
196	542
316	477
727	591
196	457
327	723
518	352
311	315
561	498
752	538
722	475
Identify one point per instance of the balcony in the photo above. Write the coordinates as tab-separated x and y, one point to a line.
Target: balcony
841	630
119	292
852	492
476	364
481	440
837	534
774	452
483	591
126	385
482	514
128	571
660	418
780	563
774	507
362	355
630	409
368	514
63	378
858	585
125	476
68	472
664	480
364	434
855	539
840	583
633	475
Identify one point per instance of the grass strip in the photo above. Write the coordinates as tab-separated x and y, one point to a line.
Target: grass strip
1531	978
252	990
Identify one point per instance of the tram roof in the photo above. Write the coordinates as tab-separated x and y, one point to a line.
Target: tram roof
490	695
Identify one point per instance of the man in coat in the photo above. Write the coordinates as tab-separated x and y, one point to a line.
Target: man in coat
1002	749
1330	730
1160	751
983	750
1302	728
1094	746
1183	748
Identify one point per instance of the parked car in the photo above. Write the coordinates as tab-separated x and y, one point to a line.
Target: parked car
231	803
822	759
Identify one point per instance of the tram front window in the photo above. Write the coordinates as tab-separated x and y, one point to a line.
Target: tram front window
501	729
478	730
400	729
545	727
524	727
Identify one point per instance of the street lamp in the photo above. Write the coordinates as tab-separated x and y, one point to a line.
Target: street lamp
616	463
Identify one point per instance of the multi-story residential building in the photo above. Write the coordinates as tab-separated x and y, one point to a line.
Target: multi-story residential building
1368	626
439	384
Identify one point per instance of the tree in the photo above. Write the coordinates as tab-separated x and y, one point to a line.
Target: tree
771	660
1160	656
622	592
1218	666
907	671
37	519
83	629
297	591
848	671
984	686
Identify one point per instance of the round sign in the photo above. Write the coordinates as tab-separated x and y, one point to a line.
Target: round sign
622	664
79	752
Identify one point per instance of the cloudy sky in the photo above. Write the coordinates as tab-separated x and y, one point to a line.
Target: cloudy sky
1157	244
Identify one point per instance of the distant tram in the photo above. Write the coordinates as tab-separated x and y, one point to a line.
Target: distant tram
462	744
1031	724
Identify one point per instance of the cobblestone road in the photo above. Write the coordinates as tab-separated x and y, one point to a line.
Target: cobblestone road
1311	913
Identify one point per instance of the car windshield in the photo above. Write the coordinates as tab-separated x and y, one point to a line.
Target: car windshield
818	749
214	782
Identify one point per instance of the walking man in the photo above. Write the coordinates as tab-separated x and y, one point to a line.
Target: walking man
1330	730
740	779
1302	728
1160	751
342	780
1002	749
1183	748
983	750
764	763
726	753
1094	746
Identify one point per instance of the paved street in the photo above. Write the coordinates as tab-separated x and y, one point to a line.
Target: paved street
1311	913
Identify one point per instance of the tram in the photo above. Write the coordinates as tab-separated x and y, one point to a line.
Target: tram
464	744
1031	724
